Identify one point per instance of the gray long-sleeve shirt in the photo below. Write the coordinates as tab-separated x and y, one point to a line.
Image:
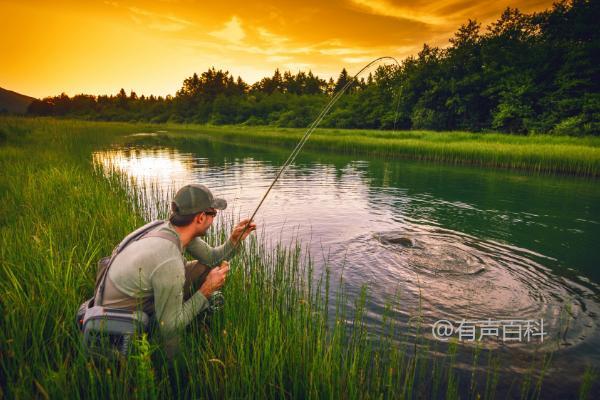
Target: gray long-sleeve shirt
150	273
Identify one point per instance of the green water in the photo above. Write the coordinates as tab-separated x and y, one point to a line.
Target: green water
486	244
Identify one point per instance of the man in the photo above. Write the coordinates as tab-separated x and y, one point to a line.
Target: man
153	274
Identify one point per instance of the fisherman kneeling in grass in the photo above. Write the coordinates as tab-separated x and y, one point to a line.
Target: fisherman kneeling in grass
153	274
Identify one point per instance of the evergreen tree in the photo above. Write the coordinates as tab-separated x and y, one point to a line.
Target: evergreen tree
342	80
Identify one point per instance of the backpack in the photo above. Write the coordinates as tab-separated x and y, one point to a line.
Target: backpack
108	331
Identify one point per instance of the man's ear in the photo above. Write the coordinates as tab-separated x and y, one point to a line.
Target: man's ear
199	218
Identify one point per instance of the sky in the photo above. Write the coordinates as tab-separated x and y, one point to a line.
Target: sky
150	47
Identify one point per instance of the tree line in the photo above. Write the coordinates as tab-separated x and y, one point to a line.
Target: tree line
524	73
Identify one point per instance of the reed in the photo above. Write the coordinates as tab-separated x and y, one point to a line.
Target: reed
545	154
282	332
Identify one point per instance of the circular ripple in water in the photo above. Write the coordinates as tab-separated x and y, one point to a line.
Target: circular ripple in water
450	275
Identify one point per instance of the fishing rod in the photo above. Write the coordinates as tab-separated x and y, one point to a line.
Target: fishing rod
310	130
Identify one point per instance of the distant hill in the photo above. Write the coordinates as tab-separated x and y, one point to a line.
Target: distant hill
13	102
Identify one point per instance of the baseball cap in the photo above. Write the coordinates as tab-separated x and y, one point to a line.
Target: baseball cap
195	198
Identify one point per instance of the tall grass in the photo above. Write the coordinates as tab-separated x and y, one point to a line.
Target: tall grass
273	339
539	153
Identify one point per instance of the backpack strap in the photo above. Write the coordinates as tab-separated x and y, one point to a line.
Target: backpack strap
164	235
140	233
137	234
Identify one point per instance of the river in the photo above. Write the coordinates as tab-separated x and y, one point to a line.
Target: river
452	243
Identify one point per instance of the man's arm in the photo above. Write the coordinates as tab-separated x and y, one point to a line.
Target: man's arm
208	255
212	256
171	312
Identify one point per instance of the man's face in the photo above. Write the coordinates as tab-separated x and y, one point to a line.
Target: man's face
205	221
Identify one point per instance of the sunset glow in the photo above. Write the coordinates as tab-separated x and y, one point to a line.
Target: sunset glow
98	47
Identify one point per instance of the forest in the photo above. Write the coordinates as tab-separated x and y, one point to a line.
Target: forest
522	74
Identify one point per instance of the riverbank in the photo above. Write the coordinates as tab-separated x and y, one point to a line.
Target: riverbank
544	154
59	215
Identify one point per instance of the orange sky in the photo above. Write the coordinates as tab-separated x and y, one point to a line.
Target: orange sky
97	47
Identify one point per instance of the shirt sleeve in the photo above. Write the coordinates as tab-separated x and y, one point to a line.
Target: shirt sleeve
170	310
208	255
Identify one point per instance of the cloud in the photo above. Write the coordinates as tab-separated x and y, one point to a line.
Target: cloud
165	23
167	27
341	51
271	38
278	59
176	38
358	60
242	46
383	7
136	19
231	32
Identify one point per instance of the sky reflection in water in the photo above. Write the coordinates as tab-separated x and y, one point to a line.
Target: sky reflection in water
475	254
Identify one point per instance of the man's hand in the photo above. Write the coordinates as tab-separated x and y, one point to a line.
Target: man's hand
215	279
236	235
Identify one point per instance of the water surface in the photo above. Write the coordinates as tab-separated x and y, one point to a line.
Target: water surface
452	242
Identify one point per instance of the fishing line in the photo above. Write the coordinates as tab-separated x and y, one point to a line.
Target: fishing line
310	130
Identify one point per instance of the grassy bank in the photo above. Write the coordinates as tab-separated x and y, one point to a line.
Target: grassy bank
540	153
59	216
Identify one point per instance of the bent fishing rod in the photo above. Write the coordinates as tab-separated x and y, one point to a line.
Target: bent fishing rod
310	130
